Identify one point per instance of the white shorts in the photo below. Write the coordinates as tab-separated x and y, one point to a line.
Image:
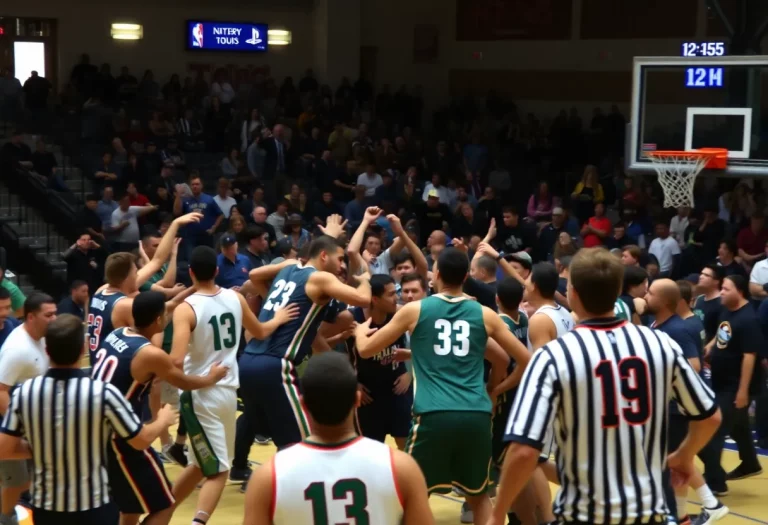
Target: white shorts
549	445
210	416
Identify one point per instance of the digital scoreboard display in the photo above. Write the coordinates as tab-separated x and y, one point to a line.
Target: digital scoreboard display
704	77
208	35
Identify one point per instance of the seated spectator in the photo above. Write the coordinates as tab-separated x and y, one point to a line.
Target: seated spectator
172	156
586	194
489	206
513	235
463	196
370	180
476	156
433	215
564	246
135	197
758	279
223	197
159	126
248	205
231	164
619	239
466	224
135	172
540	204
125	224
679	224
726	257
354	211
386	194
84	261
44	163
107	171
632	196
630	255
293	231
751	240
297	200
152	160
665	249
436	185
325	208
233	267
633	227
190	131
76	301
550	234
256	246
314	146
237	227
259	217
597	228
385	156
278	218
306	119
88	219
340	144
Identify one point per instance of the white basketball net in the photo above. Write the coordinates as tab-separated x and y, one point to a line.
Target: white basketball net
677	175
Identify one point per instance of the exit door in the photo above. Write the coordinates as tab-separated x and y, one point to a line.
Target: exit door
28	57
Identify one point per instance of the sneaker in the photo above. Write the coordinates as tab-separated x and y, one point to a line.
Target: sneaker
467	516
262	440
240	474
743	472
243	487
176	453
709	516
161	456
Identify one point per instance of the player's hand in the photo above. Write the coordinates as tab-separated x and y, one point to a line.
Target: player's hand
402	383
189	218
177	289
459	245
365	395
175	248
680	469
289	313
334	227
742	399
400	355
367	257
371	214
168	415
487	249
217	372
364	330
397	226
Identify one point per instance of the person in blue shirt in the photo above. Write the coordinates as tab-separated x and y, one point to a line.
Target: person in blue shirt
233	266
201	233
7	321
76	301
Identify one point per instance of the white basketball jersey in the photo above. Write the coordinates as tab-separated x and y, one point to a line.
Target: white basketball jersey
560	316
216	336
350	483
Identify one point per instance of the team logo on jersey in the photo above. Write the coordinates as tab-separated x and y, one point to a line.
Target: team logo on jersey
724	335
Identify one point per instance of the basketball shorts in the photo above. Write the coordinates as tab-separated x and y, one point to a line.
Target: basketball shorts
210	416
15	473
499	421
269	388
137	479
453	449
388	414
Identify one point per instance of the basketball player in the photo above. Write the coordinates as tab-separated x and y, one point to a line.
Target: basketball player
386	382
111	305
451	433
335	476
594	385
206	330
128	360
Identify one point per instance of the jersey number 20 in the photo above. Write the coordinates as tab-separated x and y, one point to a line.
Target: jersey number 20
453	337
341	490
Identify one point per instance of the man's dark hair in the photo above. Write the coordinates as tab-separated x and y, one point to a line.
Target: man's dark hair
77	283
510	209
91	197
194	175
4	294
329	388
718	272
741	283
35	302
203	263
620	224
487	264
283	202
731	245
686	290
510	293
596	276
253	232
150	233
633	276
545	277
411	277
402	258
453	266
64	340
147	307
324	243
379	283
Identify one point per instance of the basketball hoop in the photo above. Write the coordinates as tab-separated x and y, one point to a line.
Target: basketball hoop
678	170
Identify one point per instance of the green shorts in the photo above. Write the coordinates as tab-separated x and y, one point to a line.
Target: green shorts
453	449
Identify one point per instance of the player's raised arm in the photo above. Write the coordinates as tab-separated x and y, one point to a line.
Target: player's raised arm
165	247
259	279
184	321
259	496
261	330
369	343
325	284
496	329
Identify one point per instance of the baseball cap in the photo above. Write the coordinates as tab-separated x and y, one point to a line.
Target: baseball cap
433	193
522	257
557	210
283	247
228	240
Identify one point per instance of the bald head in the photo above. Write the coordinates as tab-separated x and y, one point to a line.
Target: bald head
663	295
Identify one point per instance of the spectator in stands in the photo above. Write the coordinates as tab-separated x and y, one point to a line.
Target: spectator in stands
709	234
463	196
587	193
256	246
758	279
216	123
277	162
76	301
17	296
172	90
222	89
44	163
278	218
119	153
7	321
160	128
597	228
125	224
106	172
340	143
726	257
200	233
88	219
223	197
476	156
167	181
630	255
11	89
135	172
248	206
550	233
251	128
15	153
634	228
135	198
467	224
172	156
284	250
231	164
297	200
751	240
385	156
665	249
514	236
190	131
308	83
436	185
679	224
619	239
233	266
293	231
84	260
105	208
540	204
489	206
325	208
151	159
237	227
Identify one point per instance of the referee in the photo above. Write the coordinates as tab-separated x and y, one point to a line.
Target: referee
62	421
605	386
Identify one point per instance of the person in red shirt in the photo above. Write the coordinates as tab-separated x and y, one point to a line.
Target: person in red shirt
136	198
597	228
752	239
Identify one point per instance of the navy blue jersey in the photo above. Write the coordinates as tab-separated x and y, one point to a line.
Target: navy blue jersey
293	340
100	319
379	372
113	365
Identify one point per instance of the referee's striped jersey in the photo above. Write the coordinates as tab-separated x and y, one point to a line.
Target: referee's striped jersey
606	386
67	417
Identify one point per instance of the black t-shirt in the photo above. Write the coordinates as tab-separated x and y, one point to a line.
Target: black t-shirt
733	268
709	313
485	293
432	219
739	333
516	239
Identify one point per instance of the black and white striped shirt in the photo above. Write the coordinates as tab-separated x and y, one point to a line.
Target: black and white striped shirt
606	387
67	418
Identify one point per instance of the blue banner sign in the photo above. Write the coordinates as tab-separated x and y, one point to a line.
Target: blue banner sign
226	36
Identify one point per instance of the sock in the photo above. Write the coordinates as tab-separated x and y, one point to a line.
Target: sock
201	518
682	505
707	498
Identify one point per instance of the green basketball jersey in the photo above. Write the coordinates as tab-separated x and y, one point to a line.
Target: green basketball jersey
519	327
621	310
448	346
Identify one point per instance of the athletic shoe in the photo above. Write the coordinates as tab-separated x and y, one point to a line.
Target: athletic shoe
161	455
709	516
743	472
240	474
467	516
243	487
176	453
262	440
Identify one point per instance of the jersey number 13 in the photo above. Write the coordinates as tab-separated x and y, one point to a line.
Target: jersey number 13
343	489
